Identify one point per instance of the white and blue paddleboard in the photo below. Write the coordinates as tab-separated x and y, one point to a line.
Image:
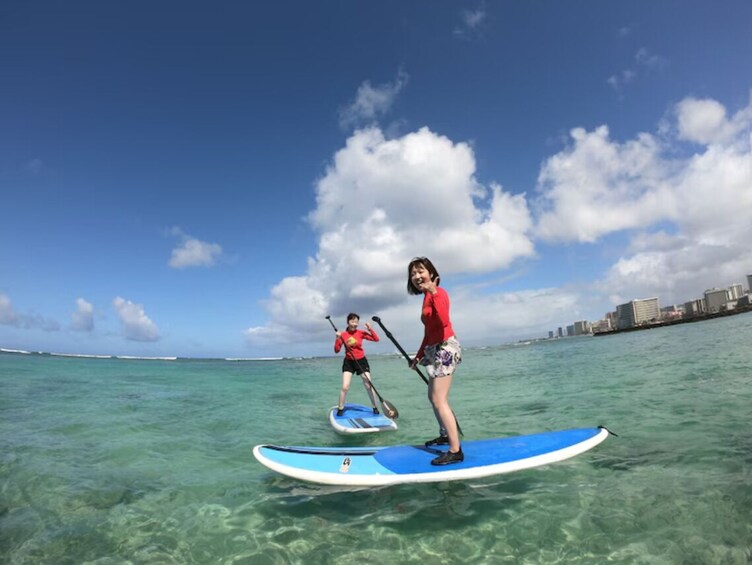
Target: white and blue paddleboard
375	466
359	419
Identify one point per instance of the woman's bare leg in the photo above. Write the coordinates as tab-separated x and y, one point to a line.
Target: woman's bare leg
346	376
439	395
369	389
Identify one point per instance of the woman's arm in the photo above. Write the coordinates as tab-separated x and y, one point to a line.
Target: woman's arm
371	335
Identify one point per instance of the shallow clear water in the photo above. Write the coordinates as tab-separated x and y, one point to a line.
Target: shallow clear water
115	461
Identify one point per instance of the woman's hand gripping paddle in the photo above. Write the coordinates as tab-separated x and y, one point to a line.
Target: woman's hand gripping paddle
415	367
390	411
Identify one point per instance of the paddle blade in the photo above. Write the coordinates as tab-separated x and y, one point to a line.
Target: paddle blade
390	411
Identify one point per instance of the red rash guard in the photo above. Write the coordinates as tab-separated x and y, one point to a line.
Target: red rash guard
354	342
435	318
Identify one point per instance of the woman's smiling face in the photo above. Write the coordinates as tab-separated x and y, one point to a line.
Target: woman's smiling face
420	276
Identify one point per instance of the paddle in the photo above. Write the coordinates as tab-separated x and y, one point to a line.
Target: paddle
409	360
389	409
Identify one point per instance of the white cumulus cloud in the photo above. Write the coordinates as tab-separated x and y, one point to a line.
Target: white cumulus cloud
686	209
705	121
707	199
136	325
598	186
383	201
192	252
82	320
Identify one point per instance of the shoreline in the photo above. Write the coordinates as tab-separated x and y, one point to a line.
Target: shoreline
690	320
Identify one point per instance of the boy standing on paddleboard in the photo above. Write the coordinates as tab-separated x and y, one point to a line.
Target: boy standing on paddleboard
355	359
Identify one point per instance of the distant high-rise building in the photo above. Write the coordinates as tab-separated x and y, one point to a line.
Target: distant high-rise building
601	326
715	299
749	284
570	330
669	313
637	312
736	291
560	332
611	317
624	316
694	307
581	328
550	334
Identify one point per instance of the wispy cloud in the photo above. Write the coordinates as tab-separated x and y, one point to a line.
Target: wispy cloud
136	325
620	80
9	317
644	63
648	60
472	23
372	102
34	166
192	252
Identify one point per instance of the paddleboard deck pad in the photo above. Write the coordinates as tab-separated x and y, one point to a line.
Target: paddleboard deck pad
376	466
359	419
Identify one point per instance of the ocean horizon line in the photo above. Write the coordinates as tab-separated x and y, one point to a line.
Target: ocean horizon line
141	357
14	351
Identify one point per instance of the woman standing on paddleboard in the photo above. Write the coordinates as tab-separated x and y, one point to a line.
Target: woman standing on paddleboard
440	352
355	359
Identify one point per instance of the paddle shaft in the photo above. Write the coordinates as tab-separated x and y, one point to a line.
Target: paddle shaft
396	343
386	405
409	360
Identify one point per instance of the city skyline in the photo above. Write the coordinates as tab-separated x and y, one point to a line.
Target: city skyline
731	293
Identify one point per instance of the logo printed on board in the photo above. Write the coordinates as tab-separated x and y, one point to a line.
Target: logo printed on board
345	467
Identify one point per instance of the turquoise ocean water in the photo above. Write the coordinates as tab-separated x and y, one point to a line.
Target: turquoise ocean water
114	461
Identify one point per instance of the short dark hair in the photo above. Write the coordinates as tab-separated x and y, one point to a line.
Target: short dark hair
352	315
425	262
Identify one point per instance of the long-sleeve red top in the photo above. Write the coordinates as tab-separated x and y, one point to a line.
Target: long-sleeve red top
354	342
435	318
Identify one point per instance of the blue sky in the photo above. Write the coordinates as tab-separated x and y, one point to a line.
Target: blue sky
211	180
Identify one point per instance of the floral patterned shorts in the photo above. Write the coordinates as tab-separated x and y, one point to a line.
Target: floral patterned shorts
441	359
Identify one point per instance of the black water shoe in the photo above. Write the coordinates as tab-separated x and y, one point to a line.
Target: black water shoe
447	458
340	411
441	440
375	410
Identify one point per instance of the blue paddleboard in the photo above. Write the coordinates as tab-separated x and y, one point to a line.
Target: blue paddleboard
359	419
372	466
